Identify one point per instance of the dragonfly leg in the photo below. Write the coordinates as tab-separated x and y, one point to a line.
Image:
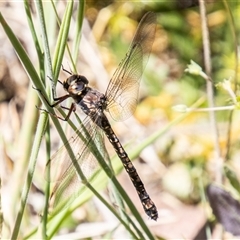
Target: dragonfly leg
58	100
70	110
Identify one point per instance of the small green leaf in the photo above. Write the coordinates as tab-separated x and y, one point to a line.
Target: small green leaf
232	178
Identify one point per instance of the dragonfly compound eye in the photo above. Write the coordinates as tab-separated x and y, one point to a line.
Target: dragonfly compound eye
78	86
75	84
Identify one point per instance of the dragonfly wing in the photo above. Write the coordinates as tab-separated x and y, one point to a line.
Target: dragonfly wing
67	175
60	163
66	191
122	91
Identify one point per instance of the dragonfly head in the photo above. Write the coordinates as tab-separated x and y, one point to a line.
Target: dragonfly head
75	84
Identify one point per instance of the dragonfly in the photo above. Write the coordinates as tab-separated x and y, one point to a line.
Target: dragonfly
119	100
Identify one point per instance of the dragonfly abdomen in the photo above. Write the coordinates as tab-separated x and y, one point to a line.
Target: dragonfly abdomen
148	205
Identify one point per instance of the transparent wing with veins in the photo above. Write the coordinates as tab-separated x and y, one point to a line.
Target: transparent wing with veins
63	172
122	91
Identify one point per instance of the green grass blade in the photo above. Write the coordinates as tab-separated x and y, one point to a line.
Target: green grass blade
233	179
62	40
47	187
35	38
47	55
78	31
31	169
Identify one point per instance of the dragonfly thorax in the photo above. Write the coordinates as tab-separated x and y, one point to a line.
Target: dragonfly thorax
93	102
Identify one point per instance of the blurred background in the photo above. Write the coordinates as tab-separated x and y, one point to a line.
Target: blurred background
181	162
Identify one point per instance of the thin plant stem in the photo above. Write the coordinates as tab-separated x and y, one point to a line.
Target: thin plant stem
47	187
210	94
236	54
